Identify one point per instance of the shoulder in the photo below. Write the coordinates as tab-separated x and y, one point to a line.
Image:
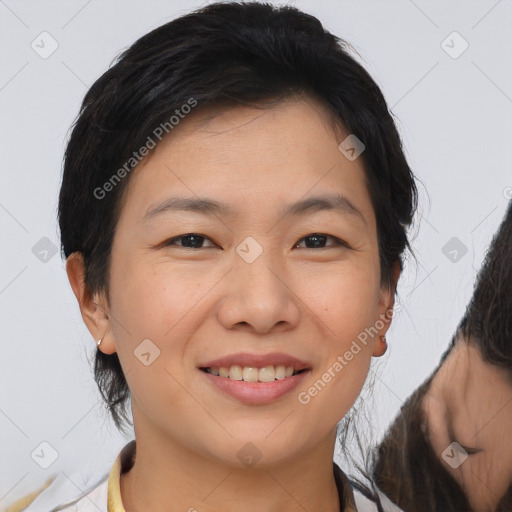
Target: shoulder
23	502
91	500
65	493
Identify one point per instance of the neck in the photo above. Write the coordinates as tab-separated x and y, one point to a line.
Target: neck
168	476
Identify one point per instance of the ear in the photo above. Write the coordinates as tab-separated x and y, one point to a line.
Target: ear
385	311
93	309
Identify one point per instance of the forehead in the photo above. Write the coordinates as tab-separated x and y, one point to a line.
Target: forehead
245	154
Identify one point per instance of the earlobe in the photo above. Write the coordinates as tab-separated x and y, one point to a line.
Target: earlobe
95	317
380	347
386	305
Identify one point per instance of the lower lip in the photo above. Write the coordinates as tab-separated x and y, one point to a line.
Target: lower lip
254	393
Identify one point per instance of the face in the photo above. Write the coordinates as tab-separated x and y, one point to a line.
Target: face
470	402
251	280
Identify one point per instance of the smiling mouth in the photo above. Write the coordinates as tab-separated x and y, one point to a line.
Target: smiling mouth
253	374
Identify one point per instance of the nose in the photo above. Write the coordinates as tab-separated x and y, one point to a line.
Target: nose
259	297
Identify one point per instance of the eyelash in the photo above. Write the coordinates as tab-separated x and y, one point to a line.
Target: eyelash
470	451
338	241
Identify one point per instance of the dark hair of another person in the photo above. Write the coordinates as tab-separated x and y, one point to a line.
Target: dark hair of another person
226	55
406	469
405	466
488	318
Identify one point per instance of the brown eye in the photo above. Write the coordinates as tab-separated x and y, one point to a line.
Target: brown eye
317	241
189	241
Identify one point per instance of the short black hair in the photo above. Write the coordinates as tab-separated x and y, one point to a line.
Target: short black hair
225	54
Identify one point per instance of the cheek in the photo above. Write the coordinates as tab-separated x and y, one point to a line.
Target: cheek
151	326
149	299
345	306
333	389
495	468
156	310
346	301
483	480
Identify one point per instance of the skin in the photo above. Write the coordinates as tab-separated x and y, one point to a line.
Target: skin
204	303
473	399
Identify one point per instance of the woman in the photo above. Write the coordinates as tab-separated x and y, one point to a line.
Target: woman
233	213
451	443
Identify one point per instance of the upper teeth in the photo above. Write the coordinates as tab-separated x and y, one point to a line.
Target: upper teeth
253	374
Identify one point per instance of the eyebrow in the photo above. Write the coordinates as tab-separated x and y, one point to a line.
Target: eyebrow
207	206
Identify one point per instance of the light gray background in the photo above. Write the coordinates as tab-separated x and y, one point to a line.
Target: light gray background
454	115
